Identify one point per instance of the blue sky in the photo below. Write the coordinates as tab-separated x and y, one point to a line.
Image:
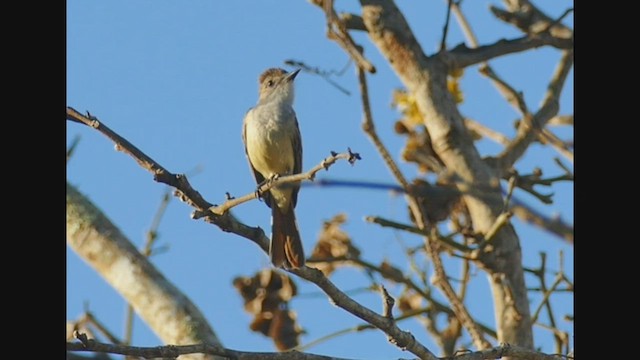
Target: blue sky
176	79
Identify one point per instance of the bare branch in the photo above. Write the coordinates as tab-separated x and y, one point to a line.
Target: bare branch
560	146
72	147
462	56
482	130
91	319
168	312
559	120
351	157
513	97
444	240
184	191
387	304
369	129
337	31
420	218
553	225
151	237
173	351
441	281
506	350
326	75
405	280
528	130
402	339
529	19
445	30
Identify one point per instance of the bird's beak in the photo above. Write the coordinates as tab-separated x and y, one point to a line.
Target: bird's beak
292	75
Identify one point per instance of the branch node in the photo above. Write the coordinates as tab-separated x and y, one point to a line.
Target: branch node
353	156
387	305
82	337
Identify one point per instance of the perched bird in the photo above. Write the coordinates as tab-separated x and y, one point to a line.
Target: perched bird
273	146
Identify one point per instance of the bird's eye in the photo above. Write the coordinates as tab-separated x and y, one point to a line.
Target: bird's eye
270	83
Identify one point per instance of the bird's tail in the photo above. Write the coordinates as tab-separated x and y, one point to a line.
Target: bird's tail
286	246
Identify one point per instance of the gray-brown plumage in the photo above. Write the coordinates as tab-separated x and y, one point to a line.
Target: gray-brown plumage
274	148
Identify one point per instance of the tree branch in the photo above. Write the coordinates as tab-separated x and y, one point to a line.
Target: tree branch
489	133
529	128
351	157
461	56
337	31
402	339
426	79
173	351
529	19
553	225
185	192
445	30
167	311
420	218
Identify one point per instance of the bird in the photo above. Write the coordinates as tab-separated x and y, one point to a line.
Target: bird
273	146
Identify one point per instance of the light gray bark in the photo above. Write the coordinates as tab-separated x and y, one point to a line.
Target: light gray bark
165	309
426	78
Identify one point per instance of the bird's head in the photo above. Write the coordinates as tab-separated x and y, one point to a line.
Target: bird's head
277	84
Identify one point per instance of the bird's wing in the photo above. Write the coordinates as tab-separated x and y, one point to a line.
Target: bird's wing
256	175
296	144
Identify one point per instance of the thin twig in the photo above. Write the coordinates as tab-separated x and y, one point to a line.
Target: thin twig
91	319
72	147
443	42
173	351
402	339
560	120
512	184
370	130
445	240
152	235
525	213
326	75
486	132
441	281
462	56
515	98
559	145
553	225
337	31
387	304
401	279
419	216
529	130
506	350
530	20
350	156
558	20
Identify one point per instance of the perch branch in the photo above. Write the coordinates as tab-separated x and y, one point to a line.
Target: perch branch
350	156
